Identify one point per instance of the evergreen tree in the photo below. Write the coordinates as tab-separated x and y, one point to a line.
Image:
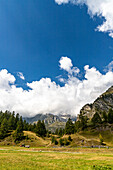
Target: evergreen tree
105	117
56	131
44	132
69	128
60	132
16	120
25	125
3	129
110	116
77	126
40	129
11	122
53	139
83	121
18	135
21	122
96	119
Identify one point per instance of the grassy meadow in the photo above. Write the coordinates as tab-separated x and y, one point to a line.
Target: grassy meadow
44	155
16	158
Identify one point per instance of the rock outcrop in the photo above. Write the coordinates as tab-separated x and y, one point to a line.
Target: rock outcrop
103	103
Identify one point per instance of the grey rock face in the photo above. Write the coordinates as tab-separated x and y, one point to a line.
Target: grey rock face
102	103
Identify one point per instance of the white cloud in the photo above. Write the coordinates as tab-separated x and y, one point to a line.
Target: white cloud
101	8
65	63
62	1
45	96
19	74
109	67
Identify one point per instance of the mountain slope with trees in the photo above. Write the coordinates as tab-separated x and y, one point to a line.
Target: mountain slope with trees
102	104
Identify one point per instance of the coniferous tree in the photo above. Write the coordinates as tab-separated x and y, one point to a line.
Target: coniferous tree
21	122
11	122
83	121
105	117
16	120
69	128
18	135
60	132
56	131
25	125
110	116
44	132
77	126
40	129
3	129
96	119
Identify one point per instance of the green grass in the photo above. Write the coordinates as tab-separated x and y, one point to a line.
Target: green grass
16	158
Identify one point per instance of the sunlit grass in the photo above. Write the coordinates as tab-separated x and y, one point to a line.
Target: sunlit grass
84	159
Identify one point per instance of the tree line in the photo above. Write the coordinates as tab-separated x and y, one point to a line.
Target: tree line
98	119
10	122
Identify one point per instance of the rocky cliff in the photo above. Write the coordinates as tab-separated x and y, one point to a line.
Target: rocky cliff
103	103
51	121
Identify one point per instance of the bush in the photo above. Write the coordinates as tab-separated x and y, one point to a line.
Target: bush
69	138
53	139
61	141
66	142
56	142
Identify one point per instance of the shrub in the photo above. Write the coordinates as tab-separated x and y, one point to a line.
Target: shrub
56	142
66	142
61	141
69	138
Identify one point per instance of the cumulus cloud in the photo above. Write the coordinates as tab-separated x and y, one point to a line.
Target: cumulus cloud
19	74
45	96
66	64
100	8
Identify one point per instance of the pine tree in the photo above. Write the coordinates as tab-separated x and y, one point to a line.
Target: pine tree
3	129
83	121
96	119
110	116
18	135
21	122
40	129
11	122
77	126
56	131
16	120
44	132
60	133
69	128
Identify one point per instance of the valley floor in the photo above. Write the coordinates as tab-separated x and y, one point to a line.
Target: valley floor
17	158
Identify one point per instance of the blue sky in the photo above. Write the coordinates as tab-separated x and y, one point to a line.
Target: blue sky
44	46
35	34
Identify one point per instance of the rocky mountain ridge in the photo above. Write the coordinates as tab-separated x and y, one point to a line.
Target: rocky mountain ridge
49	118
51	121
103	103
